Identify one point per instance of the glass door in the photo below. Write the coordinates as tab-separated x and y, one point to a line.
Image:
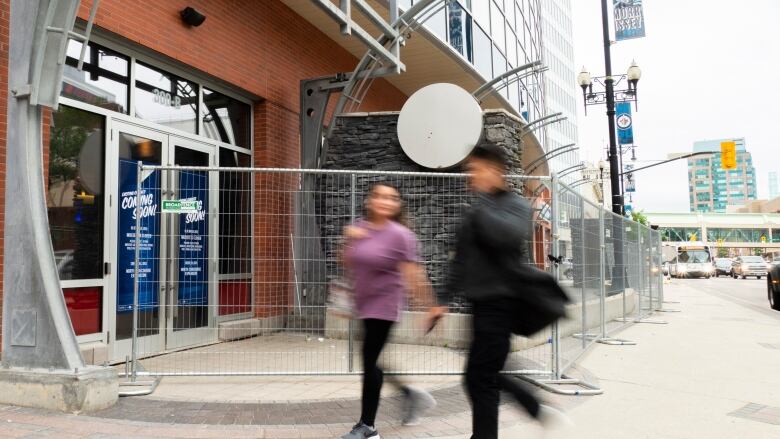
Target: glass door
191	300
133	144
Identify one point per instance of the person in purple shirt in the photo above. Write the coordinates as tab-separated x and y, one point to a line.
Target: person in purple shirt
381	259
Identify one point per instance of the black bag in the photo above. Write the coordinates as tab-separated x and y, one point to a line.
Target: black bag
540	300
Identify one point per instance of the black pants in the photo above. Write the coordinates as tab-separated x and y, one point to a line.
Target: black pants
492	321
375	336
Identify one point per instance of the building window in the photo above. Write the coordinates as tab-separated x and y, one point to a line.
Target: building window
75	199
226	119
483	51
459	23
235	234
104	81
165	98
75	195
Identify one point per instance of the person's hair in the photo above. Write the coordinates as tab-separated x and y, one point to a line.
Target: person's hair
492	153
400	216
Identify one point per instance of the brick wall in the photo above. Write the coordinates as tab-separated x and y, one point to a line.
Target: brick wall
260	46
267	49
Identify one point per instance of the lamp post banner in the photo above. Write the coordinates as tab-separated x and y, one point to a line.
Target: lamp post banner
625	123
628	179
629	19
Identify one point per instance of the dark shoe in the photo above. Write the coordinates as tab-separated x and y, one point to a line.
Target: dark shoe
361	431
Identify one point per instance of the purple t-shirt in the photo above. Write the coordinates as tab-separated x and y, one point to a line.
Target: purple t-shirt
375	269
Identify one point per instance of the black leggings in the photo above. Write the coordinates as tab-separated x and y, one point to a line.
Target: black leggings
375	336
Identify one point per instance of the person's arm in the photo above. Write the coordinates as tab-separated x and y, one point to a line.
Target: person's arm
417	284
350	235
503	225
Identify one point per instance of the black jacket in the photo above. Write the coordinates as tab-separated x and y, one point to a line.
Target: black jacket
495	234
492	262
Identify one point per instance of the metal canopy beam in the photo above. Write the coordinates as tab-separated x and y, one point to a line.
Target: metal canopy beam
345	20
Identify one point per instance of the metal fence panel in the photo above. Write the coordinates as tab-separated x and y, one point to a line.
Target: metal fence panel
235	281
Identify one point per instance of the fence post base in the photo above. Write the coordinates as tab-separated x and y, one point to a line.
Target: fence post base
616	341
643	320
551	385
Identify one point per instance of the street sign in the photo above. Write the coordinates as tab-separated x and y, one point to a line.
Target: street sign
179	206
728	155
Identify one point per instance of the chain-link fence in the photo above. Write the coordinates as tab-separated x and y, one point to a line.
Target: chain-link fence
232	272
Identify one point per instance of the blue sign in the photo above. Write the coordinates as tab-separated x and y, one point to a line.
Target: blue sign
625	123
193	240
628	208
149	240
629	19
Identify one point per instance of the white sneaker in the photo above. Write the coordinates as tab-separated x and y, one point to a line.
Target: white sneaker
416	403
552	418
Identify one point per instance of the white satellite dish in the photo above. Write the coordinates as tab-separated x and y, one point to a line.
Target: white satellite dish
439	125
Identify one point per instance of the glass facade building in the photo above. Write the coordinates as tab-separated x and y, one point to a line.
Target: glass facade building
713	189
560	81
496	36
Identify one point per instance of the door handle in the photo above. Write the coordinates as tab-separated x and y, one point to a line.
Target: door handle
106	268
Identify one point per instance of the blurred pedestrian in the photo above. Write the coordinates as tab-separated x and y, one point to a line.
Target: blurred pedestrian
381	258
491	258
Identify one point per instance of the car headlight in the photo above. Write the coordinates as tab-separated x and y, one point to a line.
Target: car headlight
745	267
682	268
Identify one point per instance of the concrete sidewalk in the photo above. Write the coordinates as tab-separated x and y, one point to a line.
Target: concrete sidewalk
712	372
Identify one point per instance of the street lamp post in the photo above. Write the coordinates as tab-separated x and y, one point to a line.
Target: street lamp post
609	96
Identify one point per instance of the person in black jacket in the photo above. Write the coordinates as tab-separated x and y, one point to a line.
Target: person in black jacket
493	240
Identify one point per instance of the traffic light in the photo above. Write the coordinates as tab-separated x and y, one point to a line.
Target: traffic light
728	155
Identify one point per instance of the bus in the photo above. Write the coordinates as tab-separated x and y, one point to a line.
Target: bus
690	259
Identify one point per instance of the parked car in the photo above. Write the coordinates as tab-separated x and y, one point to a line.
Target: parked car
745	266
773	284
722	267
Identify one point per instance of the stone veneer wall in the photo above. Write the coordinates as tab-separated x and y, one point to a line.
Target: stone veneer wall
369	141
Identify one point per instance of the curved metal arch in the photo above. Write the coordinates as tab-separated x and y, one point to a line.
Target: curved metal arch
545	156
560	151
367	69
487	88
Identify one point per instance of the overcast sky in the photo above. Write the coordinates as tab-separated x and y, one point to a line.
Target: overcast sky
710	69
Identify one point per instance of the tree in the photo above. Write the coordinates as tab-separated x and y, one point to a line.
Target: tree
723	252
640	217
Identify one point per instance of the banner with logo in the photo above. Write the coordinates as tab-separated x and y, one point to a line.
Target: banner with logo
625	123
629	184
629	19
193	240
149	240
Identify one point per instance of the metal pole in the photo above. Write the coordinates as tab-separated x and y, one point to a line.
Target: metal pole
585	328
134	348
649	267
555	201
603	275
614	171
351	329
640	280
